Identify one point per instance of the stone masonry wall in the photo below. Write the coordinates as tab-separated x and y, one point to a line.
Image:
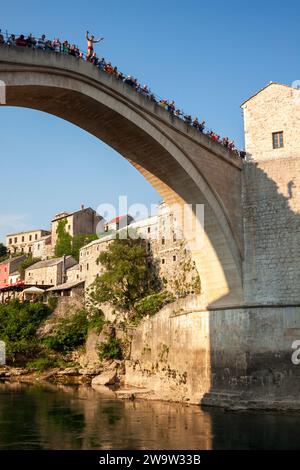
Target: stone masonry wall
274	109
272	231
234	357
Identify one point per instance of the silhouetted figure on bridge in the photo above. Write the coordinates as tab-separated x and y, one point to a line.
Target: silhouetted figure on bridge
90	44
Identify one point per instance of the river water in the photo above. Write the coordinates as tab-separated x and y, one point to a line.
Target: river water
60	417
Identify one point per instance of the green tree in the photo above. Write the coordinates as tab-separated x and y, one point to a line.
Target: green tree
81	240
18	326
64	240
3	251
127	277
29	261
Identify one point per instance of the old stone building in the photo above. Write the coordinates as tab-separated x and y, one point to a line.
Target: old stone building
73	273
89	267
172	254
22	242
271	196
42	248
117	223
84	221
50	272
168	253
272	123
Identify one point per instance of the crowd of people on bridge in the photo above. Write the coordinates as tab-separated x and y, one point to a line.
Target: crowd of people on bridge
64	47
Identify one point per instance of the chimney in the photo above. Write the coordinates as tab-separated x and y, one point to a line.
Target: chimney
64	270
82	207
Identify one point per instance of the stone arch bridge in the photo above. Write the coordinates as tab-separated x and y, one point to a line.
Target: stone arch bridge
183	165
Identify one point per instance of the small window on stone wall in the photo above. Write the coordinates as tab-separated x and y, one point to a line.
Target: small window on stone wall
277	140
163	261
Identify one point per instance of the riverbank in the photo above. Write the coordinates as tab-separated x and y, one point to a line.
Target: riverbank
105	379
107	382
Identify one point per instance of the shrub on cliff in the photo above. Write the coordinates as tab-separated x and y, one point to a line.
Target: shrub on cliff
96	321
153	303
70	333
111	349
41	364
18	326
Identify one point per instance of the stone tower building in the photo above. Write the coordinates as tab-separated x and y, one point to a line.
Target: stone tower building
272	123
272	196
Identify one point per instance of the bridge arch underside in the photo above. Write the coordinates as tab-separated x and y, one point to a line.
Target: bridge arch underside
140	140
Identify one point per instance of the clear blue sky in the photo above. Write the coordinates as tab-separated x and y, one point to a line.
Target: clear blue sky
208	56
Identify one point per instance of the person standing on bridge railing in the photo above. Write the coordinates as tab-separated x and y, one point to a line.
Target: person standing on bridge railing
196	123
57	45
21	41
49	46
188	118
65	47
90	44
145	90
202	126
11	40
109	68
171	106
41	42
163	103
73	50
31	42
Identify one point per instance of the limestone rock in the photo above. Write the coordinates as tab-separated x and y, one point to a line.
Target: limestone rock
69	371
87	371
106	378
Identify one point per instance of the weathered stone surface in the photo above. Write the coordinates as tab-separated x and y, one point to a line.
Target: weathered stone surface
106	378
90	358
88	371
69	371
132	393
231	357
